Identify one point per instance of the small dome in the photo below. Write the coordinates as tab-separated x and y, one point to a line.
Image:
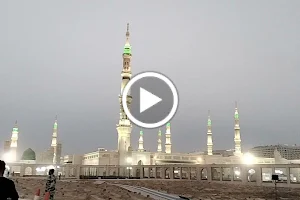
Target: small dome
28	154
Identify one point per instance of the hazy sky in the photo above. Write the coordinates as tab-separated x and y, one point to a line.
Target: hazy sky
65	58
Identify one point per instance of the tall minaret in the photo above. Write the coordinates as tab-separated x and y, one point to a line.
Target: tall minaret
159	147
168	145
209	136
14	143
237	134
141	142
124	126
54	141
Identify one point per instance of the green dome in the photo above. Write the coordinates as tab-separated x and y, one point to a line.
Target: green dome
28	154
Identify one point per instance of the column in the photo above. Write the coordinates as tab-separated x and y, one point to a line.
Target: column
171	172
209	178
258	173
231	173
244	174
141	172
198	173
288	173
78	170
163	174
180	172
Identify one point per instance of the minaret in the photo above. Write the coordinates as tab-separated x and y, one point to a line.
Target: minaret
159	147
14	143
209	136
124	126
54	141
168	145
237	134
141	142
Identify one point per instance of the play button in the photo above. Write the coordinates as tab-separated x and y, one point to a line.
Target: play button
154	100
147	100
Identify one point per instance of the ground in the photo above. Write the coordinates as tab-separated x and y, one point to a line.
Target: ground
196	190
75	190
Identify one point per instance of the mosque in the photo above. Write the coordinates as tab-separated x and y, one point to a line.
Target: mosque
125	154
52	155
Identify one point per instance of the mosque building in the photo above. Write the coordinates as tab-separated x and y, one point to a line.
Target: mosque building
50	156
126	155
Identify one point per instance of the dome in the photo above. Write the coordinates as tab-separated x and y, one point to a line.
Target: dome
28	154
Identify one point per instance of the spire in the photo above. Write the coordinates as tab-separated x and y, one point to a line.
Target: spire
54	133
209	136
14	142
127	47
141	141
208	120
55	123
16	126
127	32
168	145
236	113
237	134
159	147
159	132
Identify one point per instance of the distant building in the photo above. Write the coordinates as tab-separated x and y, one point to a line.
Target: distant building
6	146
72	159
285	151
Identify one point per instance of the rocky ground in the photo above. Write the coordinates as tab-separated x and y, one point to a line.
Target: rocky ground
210	191
75	190
88	190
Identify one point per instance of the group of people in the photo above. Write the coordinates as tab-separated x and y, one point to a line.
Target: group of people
8	188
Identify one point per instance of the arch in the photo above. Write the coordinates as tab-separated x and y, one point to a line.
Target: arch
28	171
204	174
140	162
251	175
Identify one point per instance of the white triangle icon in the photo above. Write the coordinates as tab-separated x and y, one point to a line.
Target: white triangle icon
147	100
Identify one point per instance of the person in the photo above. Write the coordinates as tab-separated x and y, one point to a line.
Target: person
59	176
7	186
50	184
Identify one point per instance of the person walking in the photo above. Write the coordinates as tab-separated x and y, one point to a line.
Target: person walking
50	184
7	186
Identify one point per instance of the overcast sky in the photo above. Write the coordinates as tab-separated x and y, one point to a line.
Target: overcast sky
65	58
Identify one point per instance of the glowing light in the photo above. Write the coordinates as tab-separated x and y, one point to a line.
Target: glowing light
248	158
57	167
199	159
237	172
129	160
43	169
